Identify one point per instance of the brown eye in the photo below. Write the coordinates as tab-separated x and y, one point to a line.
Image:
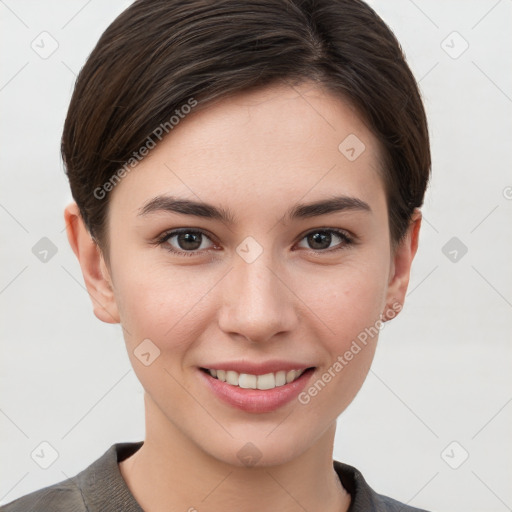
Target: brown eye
321	239
185	242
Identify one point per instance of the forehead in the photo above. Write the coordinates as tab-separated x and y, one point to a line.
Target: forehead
260	148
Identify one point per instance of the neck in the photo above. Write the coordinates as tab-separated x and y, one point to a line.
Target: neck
170	472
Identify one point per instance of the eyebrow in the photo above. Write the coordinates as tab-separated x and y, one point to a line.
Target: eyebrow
300	211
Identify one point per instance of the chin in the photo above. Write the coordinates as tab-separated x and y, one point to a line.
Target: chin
260	447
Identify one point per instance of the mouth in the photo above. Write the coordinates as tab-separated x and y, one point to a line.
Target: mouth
249	381
256	392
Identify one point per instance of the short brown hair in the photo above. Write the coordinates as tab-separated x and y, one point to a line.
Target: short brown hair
158	54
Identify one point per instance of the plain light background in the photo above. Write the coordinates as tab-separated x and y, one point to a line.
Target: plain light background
440	388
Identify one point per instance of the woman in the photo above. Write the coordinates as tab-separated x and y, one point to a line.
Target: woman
247	179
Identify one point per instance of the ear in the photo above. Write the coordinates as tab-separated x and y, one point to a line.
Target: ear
401	261
96	275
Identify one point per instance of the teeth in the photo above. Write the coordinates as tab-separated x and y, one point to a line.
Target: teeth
232	378
267	381
280	378
291	376
248	381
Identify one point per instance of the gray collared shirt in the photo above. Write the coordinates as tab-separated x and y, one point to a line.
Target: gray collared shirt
101	488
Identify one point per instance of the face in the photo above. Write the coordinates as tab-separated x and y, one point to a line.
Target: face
271	286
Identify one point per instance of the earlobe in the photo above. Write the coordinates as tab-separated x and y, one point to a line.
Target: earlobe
402	258
94	270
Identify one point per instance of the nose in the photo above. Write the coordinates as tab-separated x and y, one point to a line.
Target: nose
257	303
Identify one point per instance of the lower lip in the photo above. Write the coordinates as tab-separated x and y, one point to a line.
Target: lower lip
256	400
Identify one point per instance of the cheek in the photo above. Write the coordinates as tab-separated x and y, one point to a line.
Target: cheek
349	307
349	300
165	305
166	309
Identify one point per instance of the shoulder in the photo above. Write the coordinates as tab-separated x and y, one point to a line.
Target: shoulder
364	498
100	486
64	496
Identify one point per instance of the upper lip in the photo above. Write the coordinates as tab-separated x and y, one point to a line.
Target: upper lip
254	368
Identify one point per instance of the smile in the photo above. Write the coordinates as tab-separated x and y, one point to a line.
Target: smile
249	381
256	387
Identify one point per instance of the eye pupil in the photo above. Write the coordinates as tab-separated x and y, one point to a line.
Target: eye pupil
184	239
320	237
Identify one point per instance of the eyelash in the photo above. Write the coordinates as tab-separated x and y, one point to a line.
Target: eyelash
343	235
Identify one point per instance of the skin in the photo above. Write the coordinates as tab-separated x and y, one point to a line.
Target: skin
256	154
